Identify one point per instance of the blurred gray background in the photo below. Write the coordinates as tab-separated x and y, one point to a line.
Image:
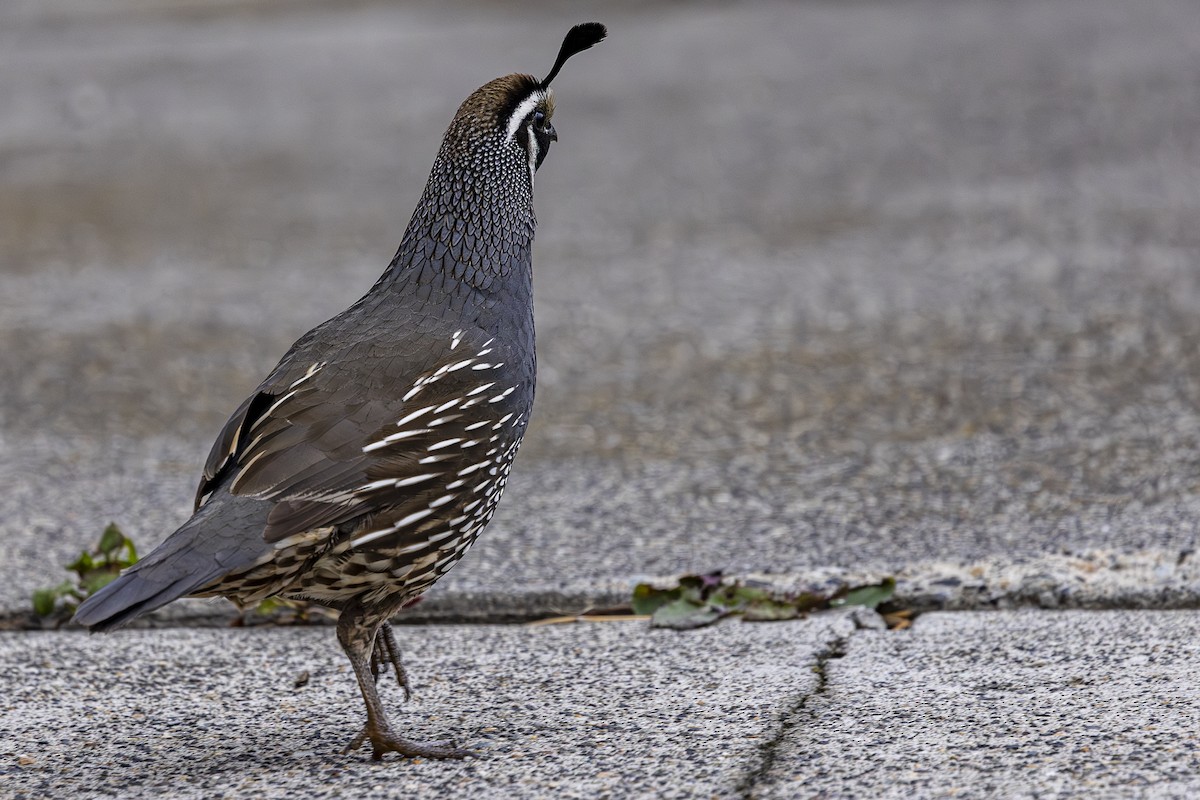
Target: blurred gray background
822	284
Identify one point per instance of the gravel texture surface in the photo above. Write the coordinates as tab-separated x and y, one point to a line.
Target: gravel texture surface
567	711
854	286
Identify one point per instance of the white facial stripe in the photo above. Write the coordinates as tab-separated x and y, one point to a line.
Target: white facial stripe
523	110
533	153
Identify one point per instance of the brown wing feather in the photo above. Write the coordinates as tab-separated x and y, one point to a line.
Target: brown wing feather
220	457
301	444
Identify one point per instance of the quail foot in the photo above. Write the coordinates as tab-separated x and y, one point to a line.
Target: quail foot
363	467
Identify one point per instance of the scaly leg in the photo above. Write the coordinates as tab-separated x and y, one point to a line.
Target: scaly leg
387	652
357	637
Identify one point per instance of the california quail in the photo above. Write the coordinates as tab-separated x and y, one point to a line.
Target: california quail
372	456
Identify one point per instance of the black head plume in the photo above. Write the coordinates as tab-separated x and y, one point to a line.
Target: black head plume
578	39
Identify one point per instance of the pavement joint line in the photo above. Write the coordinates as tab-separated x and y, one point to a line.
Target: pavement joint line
792	716
1104	578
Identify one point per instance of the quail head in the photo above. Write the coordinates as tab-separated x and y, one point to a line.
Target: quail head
373	455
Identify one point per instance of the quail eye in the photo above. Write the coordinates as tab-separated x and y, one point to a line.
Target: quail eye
539	118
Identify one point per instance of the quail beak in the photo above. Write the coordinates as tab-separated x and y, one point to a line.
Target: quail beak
553	134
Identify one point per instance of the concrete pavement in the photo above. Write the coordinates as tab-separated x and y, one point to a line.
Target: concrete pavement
988	704
817	286
825	292
579	711
1014	705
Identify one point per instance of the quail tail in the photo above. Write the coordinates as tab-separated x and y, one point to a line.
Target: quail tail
205	548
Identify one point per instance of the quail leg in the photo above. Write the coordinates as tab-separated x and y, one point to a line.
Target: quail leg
358	640
385	652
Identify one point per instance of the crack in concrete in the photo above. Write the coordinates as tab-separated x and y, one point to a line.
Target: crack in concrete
791	718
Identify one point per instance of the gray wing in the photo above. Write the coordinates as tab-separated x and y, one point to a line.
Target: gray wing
331	442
